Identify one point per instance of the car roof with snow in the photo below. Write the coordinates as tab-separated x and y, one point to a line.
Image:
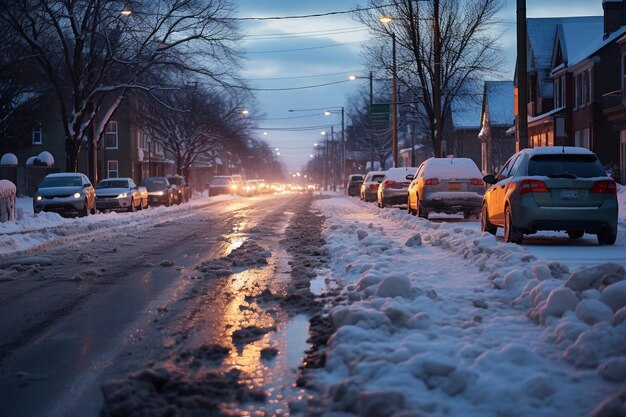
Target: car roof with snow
548	150
451	168
64	174
399	173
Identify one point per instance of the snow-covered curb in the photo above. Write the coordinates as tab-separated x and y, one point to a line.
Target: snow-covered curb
447	332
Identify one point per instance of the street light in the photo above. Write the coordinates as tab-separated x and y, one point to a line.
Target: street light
386	20
343	140
352	77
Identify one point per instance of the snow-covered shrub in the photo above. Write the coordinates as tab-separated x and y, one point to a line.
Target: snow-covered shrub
8	210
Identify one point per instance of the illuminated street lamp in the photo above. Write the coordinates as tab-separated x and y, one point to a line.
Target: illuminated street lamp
126	12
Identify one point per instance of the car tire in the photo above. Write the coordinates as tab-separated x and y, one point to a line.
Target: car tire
168	203
511	233
485	224
419	210
575	234
85	211
408	206
607	237
132	207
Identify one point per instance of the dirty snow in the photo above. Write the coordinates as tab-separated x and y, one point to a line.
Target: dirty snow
438	319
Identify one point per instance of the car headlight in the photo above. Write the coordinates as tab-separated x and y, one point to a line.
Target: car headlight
159	193
77	195
38	198
233	187
122	195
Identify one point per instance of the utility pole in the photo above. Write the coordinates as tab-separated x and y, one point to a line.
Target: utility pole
437	79
394	102
522	78
371	125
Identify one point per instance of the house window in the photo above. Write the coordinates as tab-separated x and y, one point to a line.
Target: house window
110	135
112	169
37	135
586	87
559	92
624	78
622	155
583	88
581	138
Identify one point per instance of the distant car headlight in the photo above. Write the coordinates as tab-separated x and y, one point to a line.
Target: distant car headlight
122	195
77	195
159	193
233	186
38	198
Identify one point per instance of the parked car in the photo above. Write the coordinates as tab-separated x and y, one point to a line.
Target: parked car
118	194
222	184
551	188
369	188
160	191
65	193
182	190
393	188
354	184
250	188
446	185
237	184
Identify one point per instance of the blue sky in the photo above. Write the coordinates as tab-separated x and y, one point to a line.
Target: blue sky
336	46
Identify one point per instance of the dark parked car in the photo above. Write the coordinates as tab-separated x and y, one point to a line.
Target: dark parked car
65	192
182	190
446	185
160	191
354	184
551	188
222	184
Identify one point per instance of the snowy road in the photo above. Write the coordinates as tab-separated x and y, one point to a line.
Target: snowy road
144	295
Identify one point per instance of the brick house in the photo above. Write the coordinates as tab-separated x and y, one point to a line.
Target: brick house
497	116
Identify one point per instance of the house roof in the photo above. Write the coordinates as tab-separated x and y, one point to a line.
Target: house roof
576	37
499	96
542	33
465	114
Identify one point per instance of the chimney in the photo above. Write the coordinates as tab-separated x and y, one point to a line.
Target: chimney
613	16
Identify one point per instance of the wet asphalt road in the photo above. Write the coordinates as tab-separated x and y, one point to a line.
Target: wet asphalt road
94	310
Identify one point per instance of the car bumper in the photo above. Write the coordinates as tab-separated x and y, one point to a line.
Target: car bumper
531	217
60	205
452	205
112	203
370	195
219	190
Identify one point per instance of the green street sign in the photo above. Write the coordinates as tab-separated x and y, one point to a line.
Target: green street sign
380	113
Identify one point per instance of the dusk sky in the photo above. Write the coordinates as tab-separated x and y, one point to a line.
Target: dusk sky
294	53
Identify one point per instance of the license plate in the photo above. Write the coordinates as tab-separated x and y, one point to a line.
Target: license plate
454	186
569	194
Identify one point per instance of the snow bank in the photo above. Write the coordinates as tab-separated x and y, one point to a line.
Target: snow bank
463	324
8	209
8	159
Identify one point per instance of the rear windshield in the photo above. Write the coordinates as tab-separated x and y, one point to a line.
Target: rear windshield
220	181
155	184
582	166
113	184
61	182
377	178
175	180
357	178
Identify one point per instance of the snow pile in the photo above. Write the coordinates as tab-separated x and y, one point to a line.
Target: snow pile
8	159
46	158
455	331
7	201
7	189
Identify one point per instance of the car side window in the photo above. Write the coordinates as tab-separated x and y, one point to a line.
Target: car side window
506	169
419	171
515	166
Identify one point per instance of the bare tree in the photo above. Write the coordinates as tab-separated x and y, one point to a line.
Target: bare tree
467	47
92	54
191	122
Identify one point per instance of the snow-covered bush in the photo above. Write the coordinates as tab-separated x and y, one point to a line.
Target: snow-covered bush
8	209
8	159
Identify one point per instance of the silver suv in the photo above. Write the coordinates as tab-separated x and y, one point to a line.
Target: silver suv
65	192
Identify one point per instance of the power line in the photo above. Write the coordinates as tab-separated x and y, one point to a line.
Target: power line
289	88
302	76
302	49
295	128
286	35
306	16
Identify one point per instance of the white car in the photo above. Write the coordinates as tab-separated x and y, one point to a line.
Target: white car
119	194
65	192
393	188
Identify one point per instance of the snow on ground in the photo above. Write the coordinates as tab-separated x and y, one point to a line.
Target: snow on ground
31	231
442	320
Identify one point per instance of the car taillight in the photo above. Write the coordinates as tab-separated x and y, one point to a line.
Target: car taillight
388	183
431	181
532	186
604	186
477	181
373	186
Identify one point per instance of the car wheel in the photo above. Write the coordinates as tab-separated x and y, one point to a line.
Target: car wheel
419	210
511	233
485	225
85	212
607	237
168	203
575	234
382	203
132	207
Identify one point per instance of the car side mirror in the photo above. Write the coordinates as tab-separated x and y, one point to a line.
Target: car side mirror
490	179
410	177
86	185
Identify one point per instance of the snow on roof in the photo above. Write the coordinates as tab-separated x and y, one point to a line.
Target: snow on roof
415	148
399	173
547	150
541	40
466	114
8	159
451	168
593	47
576	37
500	102
46	158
